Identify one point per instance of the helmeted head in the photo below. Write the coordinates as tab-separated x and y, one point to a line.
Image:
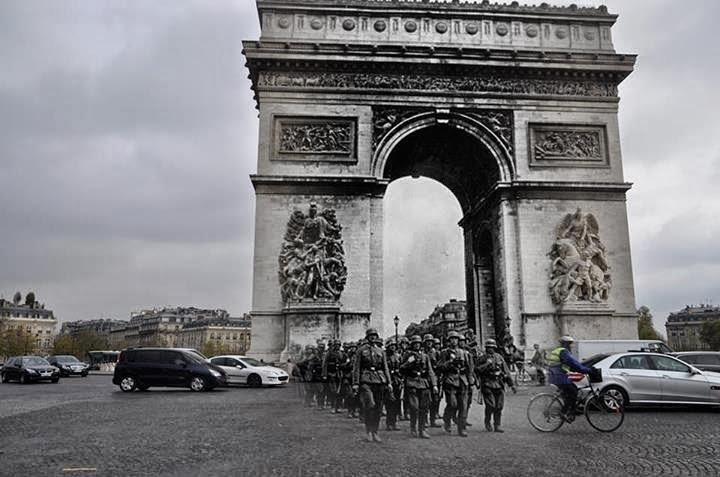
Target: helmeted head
453	338
536	346
390	344
371	335
566	341
490	346
404	342
436	342
415	342
428	338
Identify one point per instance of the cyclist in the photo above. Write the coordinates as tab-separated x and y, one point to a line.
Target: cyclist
560	363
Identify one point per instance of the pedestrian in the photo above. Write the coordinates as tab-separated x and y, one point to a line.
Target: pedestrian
494	375
457	370
539	360
371	380
393	399
420	383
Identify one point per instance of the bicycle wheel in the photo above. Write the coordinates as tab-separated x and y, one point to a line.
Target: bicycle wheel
545	412
604	412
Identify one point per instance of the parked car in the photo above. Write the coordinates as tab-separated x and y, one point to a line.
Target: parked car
242	370
702	360
69	365
27	369
584	349
141	368
654	378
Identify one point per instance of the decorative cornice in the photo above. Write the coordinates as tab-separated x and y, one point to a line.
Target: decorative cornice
453	5
319	185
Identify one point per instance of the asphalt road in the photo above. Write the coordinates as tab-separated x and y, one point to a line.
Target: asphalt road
87	427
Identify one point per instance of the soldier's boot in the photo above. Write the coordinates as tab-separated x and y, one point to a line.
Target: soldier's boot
498	422
413	425
376	437
369	437
488	416
423	433
461	431
446	426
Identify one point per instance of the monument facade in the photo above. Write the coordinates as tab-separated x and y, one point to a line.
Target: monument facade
513	108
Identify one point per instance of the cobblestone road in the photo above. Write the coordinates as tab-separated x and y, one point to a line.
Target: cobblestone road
50	429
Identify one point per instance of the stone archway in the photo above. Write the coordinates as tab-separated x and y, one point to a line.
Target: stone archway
513	108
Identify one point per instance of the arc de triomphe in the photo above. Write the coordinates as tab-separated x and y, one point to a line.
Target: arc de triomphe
513	108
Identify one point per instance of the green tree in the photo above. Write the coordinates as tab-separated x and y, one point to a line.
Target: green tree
646	330
30	299
211	348
710	334
80	344
16	342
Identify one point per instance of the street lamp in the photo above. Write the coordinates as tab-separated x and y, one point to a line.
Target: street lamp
396	320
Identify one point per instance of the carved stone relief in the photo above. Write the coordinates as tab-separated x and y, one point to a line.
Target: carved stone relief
312	259
563	145
500	123
303	138
580	271
489	83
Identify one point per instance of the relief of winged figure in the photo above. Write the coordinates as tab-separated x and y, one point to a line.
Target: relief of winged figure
580	269
312	259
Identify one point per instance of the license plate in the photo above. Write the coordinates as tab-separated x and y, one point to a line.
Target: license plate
46	374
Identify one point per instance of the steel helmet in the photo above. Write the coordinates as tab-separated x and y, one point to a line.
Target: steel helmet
428	337
371	331
453	334
490	343
415	339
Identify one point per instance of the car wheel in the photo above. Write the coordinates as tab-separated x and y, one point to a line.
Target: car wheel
23	379
618	394
84	375
254	380
3	378
197	384
128	384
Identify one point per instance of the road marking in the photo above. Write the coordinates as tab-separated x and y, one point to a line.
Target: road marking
80	469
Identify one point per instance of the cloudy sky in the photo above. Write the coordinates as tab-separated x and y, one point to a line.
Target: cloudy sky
128	131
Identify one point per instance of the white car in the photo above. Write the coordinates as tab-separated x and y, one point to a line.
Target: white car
242	370
653	378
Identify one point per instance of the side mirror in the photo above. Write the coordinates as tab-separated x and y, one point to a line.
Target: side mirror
694	372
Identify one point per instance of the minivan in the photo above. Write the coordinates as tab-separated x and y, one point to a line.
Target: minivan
141	368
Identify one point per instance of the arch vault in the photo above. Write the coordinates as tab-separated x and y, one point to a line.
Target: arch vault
513	108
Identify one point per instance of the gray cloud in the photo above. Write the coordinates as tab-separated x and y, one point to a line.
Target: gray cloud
127	133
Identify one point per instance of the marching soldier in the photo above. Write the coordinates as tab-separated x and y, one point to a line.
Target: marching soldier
457	375
392	403
494	375
435	409
321	397
420	383
371	379
404	413
313	376
346	368
331	374
463	344
433	355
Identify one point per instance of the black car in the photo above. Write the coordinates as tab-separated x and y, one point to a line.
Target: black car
141	368
27	369
69	365
703	360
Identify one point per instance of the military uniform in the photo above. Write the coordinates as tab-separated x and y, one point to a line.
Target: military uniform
494	375
346	368
392	402
371	377
433	355
312	373
420	381
331	375
457	371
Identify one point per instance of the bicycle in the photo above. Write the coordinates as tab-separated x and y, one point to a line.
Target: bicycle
602	411
521	374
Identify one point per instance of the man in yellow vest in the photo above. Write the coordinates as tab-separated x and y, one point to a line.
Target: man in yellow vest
560	363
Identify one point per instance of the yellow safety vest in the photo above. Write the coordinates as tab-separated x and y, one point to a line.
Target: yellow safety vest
555	361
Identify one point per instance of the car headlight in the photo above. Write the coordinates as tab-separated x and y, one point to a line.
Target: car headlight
215	373
31	371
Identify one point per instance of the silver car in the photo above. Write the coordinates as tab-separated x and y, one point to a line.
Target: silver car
653	378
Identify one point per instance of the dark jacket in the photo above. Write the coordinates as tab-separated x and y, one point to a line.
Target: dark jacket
331	364
370	366
418	371
456	366
493	371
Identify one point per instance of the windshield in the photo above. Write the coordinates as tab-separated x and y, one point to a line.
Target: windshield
253	362
593	360
195	356
34	361
67	359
